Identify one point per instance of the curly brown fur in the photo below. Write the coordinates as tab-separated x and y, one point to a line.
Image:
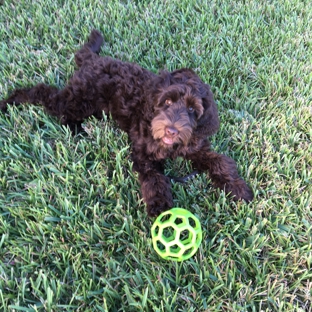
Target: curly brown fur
167	115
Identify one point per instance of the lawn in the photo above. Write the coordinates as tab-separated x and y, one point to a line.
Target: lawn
74	234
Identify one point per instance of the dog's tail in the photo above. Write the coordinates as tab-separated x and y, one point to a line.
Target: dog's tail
92	46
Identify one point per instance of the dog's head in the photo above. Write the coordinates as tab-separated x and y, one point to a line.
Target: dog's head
183	107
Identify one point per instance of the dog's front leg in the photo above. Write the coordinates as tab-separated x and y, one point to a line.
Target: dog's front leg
222	171
156	191
155	187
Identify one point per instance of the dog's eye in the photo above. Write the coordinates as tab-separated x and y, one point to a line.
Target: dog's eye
191	109
168	102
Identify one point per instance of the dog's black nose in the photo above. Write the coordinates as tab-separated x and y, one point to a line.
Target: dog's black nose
171	132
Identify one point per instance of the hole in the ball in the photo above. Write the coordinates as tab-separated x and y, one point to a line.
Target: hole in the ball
178	221
186	237
175	249
192	222
168	233
156	230
187	252
161	246
165	218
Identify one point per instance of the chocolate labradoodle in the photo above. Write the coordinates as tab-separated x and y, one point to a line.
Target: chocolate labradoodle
165	116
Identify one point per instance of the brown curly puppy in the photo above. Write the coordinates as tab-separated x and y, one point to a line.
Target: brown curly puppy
165	116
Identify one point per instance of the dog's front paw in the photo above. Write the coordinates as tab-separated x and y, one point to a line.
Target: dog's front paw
240	190
158	205
3	105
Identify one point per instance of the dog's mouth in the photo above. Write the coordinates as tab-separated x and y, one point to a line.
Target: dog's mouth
168	141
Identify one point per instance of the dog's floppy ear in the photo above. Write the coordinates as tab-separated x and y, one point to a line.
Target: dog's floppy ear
208	123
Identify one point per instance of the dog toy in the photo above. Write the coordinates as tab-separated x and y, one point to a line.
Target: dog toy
176	234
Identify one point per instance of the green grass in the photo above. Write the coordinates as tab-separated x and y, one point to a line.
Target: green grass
74	235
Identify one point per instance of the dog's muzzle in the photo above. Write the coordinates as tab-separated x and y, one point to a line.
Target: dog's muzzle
172	126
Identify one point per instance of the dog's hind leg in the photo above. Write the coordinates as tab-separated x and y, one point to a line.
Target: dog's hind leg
70	106
38	95
76	101
92	46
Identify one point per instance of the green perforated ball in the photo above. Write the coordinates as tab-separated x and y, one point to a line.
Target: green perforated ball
176	234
